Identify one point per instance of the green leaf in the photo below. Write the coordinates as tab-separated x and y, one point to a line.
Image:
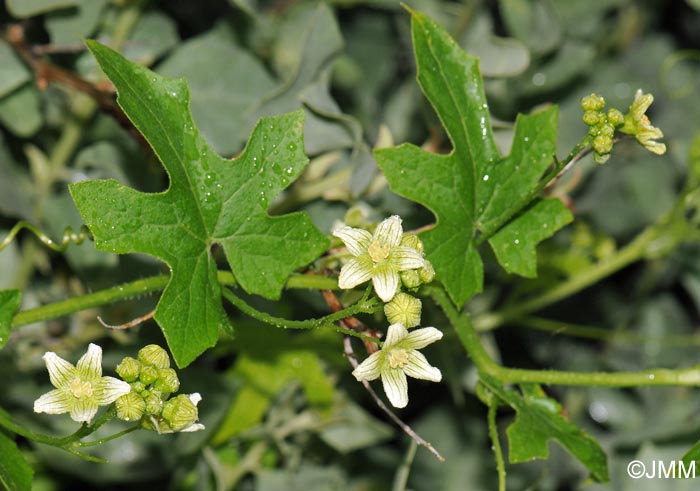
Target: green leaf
472	189
21	111
29	8
9	303
692	455
210	201
70	26
540	419
514	244
235	88
13	74
15	472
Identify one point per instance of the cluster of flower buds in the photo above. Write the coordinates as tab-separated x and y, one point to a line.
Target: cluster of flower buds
152	383
603	124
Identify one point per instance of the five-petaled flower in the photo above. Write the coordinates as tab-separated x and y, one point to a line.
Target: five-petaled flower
80	389
637	123
399	357
379	257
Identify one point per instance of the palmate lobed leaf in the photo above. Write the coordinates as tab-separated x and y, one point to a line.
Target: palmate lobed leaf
540	419
472	190
210	200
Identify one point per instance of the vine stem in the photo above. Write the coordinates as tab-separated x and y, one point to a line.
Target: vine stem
143	287
469	338
496	445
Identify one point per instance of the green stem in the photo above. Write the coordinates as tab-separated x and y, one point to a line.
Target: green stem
496	446
108	438
629	254
470	340
361	307
402	473
144	287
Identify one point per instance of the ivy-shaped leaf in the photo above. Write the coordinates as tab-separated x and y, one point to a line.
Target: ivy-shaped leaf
473	190
9	303
210	201
539	419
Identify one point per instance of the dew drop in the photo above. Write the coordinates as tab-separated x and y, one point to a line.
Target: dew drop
527	139
652	376
292	147
209	178
486	177
516	241
289	170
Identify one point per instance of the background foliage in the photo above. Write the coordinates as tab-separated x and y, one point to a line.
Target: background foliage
281	409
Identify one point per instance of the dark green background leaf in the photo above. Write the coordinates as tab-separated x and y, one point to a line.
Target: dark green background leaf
15	472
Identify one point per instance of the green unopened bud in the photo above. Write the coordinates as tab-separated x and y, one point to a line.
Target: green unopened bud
427	272
606	130
602	144
137	386
129	369
130	407
181	411
403	309
410	278
148	375
412	241
615	117
167	381
600	158
591	118
153	400
154	355
592	102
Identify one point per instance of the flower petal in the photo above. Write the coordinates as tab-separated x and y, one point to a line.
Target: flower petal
90	364
418	367
193	427
369	369
403	258
355	271
61	372
389	231
395	334
386	282
57	401
109	389
420	338
83	409
395	387
355	239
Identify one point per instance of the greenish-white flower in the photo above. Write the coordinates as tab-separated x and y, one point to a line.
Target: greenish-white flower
637	123
80	389
399	357
378	257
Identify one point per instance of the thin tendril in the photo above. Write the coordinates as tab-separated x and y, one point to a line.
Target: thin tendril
69	236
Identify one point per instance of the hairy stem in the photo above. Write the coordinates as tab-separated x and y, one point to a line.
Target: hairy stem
470	340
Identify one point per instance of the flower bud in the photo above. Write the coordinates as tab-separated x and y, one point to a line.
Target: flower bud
615	117
153	400
592	102
180	412
607	130
412	241
427	272
155	356
129	369
602	144
148	374
403	309
410	278
137	386
167	381
130	407
591	118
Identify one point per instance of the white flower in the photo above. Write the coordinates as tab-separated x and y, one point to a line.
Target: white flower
637	123
378	257
79	389
399	357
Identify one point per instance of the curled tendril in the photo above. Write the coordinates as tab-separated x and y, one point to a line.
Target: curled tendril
69	236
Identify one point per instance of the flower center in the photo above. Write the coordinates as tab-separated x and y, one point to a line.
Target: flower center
398	358
80	388
378	251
